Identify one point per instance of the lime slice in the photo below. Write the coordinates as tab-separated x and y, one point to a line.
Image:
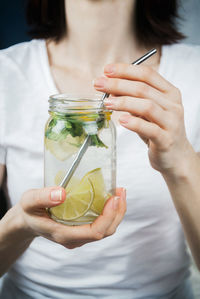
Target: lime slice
100	195
74	181
77	202
64	148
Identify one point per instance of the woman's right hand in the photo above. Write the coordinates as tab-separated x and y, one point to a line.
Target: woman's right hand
36	221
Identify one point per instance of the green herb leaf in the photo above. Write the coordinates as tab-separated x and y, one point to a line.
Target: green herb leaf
96	141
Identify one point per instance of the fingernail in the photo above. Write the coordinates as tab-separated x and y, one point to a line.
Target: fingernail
110	69
100	82
56	195
123	119
115	203
108	103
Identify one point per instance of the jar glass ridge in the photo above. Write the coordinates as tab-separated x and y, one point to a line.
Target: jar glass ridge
72	118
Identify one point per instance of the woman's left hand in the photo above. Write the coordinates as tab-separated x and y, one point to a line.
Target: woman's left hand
153	109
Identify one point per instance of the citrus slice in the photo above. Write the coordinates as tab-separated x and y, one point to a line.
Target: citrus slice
64	148
74	181
77	202
100	195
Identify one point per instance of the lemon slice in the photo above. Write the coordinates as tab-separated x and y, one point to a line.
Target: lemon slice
100	195
64	148
77	202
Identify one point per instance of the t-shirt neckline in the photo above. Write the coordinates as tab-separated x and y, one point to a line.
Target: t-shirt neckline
47	70
49	77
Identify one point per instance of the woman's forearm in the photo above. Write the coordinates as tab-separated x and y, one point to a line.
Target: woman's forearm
28	219
185	190
13	239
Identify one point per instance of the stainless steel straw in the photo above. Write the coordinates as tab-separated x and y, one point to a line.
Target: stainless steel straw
86	143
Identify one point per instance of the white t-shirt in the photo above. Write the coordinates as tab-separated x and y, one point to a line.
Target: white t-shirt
147	254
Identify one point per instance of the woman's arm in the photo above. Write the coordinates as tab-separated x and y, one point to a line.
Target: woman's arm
13	238
185	190
28	219
13	241
154	111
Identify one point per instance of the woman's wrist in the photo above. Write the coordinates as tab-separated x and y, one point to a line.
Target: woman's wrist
186	165
14	238
14	226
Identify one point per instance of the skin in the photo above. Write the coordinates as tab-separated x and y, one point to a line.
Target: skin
74	62
153	109
28	219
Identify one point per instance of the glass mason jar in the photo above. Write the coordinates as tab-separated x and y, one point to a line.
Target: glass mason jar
72	119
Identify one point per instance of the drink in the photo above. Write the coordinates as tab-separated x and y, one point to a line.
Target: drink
71	120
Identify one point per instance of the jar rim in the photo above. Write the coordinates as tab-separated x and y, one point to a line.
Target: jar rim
64	102
71	97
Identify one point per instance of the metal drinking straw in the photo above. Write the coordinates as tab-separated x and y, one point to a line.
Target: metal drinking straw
86	143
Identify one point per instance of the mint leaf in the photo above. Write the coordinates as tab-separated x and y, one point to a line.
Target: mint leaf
96	141
59	128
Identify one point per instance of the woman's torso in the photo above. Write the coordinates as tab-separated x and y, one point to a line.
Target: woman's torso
147	254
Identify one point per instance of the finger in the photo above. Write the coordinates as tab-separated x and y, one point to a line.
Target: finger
141	73
99	233
43	198
96	230
101	225
75	236
146	140
137	89
140	107
121	192
142	127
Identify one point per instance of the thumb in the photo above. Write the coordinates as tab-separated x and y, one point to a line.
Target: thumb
43	198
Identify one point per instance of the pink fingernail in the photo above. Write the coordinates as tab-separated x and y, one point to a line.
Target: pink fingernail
123	119
109	69
56	195
115	203
100	82
108	103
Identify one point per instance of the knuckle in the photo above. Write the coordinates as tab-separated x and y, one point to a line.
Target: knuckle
177	94
141	89
111	231
58	238
37	196
26	197
149	108
136	124
169	141
122	103
98	236
121	68
115	84
155	132
145	72
179	110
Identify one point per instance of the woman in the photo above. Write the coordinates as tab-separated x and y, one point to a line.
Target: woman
146	257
